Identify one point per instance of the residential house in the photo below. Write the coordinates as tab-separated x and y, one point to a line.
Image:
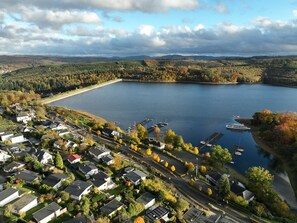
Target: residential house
48	213
112	207
4	156
27	175
13	167
88	169
110	132
23	117
213	177
74	158
108	160
17	138
135	177
8	195
5	136
239	190
47	137
76	136
147	199
98	152
57	125
55	180
81	219
159	213
44	157
157	144
78	188
63	132
2	182
24	204
102	181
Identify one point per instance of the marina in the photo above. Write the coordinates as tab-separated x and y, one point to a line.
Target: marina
211	139
159	125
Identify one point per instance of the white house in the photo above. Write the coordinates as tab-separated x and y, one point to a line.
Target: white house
102	181
78	188
48	213
74	158
6	136
135	177
8	195
98	152
88	169
44	157
23	117
24	204
17	138
4	156
147	199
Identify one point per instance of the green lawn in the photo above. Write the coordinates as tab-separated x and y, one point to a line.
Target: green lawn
29	214
6	124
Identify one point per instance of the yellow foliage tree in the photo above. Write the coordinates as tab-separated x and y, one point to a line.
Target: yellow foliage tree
209	191
202	169
139	220
172	168
149	152
166	164
207	155
196	150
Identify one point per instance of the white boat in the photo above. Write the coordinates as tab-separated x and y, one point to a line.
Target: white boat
231	162
240	150
237	126
209	145
202	142
238	153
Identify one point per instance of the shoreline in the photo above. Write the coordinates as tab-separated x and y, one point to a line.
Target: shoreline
71	93
181	82
288	172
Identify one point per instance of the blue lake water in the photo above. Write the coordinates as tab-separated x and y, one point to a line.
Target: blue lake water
192	110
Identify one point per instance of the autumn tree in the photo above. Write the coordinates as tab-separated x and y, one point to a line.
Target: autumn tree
196	150
141	132
221	155
209	191
149	152
166	164
172	168
157	133
59	161
139	220
259	177
190	166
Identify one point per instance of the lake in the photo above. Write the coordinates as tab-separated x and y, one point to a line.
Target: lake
192	110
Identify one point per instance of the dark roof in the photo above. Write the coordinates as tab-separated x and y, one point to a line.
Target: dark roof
215	175
13	165
107	131
23	201
46	211
193	215
98	150
239	190
81	219
7	192
156	214
100	175
111	206
107	158
87	167
54	179
77	187
41	154
145	198
27	175
98	182
135	175
2	179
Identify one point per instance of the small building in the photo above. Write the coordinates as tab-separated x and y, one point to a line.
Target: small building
88	169
48	213
135	177
24	204
27	175
102	181
239	190
112	207
193	215
157	144
108	160
110	132
55	180
44	157
74	158
17	138
213	177
23	117
98	152
159	213
147	199
4	156
78	188
5	136
14	166
8	195
57	126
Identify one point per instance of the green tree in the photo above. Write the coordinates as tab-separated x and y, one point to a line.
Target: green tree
64	196
141	132
181	205
221	155
85	206
223	186
59	161
258	176
169	136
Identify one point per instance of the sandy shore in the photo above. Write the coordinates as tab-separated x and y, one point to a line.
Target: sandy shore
67	94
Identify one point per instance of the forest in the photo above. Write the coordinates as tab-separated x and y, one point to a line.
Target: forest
54	75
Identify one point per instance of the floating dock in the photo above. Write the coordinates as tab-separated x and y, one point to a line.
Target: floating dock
211	139
159	125
143	122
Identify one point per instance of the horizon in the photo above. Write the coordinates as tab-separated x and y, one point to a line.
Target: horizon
220	28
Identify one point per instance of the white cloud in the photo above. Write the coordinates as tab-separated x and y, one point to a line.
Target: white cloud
222	8
198	27
146	30
295	12
57	18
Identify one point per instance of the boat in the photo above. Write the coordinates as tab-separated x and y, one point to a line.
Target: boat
202	142
209	145
231	162
238	153
240	150
237	126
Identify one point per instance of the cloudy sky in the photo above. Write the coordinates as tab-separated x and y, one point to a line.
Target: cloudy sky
150	27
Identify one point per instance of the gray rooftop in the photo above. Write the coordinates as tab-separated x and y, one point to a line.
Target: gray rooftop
81	219
111	206
27	175
23	201
98	150
7	192
46	211
54	179
145	198
77	187
156	214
